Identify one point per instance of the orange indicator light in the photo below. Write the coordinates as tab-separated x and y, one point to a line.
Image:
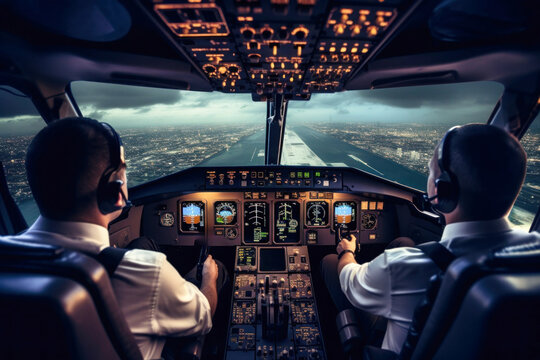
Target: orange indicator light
364	50
332	49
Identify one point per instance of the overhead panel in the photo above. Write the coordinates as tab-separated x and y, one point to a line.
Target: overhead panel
267	47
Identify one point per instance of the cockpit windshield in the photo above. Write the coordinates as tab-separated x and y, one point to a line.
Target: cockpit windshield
390	133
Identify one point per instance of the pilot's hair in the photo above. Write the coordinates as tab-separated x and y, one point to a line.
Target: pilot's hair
64	163
490	166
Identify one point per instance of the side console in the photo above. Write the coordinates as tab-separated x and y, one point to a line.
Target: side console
274	314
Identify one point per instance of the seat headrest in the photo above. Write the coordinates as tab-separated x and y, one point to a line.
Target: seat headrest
14	249
525	255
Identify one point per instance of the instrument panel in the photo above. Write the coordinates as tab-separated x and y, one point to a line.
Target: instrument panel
267	218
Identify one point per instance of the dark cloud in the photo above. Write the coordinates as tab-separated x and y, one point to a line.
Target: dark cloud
433	96
481	93
112	96
27	126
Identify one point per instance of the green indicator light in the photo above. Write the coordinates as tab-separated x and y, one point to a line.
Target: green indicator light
299	175
318	174
306	175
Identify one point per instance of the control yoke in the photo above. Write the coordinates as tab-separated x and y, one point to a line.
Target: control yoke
202	258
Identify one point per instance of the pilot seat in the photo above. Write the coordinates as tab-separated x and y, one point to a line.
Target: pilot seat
59	304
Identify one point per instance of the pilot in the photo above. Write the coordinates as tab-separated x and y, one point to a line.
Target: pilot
77	174
484	171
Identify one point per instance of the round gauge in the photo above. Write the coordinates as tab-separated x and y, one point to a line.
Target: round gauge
231	233
369	221
166	219
317	213
225	213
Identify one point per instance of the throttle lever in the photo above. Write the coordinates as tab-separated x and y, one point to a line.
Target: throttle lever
202	258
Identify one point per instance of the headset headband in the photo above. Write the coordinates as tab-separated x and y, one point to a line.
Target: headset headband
115	147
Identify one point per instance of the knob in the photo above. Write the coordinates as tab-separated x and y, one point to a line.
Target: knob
247	33
267	33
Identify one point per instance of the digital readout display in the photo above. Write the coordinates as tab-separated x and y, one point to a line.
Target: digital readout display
256	222
287	226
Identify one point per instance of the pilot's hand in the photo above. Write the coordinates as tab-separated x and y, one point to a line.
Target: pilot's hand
210	271
346	244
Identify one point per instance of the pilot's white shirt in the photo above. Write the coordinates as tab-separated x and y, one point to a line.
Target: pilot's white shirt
156	301
392	284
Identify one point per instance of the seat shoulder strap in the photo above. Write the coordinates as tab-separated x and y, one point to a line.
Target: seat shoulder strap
440	255
110	258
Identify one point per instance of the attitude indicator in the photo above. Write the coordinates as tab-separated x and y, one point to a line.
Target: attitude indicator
225	213
345	215
192	216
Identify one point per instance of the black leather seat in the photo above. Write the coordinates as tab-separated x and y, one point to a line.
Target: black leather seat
488	307
59	304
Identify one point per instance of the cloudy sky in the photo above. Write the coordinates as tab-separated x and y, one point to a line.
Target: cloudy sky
128	106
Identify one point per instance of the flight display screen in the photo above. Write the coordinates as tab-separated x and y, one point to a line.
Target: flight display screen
247	256
225	213
345	214
256	222
287	221
317	213
272	259
192	216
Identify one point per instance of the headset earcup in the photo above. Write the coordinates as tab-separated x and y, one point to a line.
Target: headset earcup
108	195
446	196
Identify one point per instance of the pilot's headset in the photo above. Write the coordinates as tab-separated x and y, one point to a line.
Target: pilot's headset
446	184
107	192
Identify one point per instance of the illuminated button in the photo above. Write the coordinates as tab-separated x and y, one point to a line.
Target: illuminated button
292	175
243	183
317	174
313	195
364	205
248	195
307	175
372	236
299	175
219	232
307	182
326	183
